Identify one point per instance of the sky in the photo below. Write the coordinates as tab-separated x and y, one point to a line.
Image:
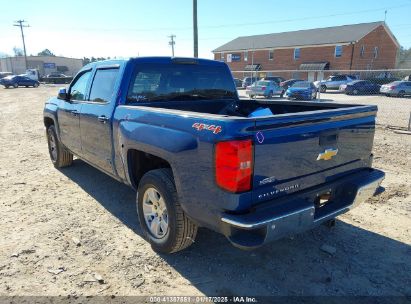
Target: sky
126	28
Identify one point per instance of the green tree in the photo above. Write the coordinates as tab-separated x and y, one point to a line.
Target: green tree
17	51
46	52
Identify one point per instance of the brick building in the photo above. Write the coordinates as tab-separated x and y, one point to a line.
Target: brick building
305	53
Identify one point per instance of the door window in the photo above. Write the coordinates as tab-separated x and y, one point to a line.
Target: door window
78	89
103	85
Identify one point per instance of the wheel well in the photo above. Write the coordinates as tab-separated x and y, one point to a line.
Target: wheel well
139	163
48	122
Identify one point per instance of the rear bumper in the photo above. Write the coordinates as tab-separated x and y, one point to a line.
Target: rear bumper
298	212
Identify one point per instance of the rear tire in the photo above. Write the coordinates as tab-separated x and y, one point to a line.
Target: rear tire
180	231
6	86
270	95
401	94
355	92
323	89
59	156
35	85
15	85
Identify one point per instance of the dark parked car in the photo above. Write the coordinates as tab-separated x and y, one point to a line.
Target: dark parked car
238	82
360	87
277	79
247	81
302	90
18	81
287	83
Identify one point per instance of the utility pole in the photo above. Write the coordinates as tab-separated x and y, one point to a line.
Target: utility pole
21	25
172	43
195	28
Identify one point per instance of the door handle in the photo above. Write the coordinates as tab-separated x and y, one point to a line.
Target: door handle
102	119
75	113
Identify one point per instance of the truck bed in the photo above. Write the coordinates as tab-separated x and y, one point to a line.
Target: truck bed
244	107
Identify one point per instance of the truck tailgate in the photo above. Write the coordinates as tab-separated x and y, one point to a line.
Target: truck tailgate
298	151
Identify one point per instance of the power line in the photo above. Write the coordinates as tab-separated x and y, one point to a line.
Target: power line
172	43
21	25
246	24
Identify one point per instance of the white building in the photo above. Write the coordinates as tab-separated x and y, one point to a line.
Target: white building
45	64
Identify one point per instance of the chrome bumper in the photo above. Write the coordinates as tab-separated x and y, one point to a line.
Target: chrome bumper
260	228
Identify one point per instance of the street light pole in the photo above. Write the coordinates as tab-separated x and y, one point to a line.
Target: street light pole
20	24
195	28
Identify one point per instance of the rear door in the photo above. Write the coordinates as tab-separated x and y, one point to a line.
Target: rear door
300	151
96	118
68	112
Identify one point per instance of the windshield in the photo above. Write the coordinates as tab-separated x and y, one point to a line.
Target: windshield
301	84
263	83
161	82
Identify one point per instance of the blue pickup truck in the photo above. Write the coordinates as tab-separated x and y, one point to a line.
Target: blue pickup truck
175	130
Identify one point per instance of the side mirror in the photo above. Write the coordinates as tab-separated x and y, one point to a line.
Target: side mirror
62	94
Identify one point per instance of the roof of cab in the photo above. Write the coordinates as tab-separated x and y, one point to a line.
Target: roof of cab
153	59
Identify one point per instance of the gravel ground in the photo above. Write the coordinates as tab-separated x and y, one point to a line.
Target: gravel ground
75	231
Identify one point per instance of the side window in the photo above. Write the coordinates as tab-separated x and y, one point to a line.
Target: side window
338	51
362	52
270	54
103	85
78	89
297	52
375	52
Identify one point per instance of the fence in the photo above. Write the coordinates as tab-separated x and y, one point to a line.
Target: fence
390	90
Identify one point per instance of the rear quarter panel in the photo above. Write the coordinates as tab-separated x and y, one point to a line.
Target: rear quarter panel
177	138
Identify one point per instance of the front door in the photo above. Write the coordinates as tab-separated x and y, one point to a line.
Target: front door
68	113
96	119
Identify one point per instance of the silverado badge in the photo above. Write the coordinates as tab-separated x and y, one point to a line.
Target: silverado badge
327	154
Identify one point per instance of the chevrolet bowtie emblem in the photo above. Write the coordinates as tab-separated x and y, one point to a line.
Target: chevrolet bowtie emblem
327	154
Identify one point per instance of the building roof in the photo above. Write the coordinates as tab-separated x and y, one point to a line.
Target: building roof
319	36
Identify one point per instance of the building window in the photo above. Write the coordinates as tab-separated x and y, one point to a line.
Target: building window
270	54
375	52
362	52
297	52
246	56
222	57
338	51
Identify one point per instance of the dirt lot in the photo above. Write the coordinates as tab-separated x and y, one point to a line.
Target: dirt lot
60	228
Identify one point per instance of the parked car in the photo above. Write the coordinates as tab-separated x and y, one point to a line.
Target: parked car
286	84
302	90
266	88
198	155
57	78
238	82
333	82
249	81
5	74
277	79
56	75
360	87
396	88
18	81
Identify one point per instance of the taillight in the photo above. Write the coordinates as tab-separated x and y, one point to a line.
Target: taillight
281	84
234	165
393	87
263	88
